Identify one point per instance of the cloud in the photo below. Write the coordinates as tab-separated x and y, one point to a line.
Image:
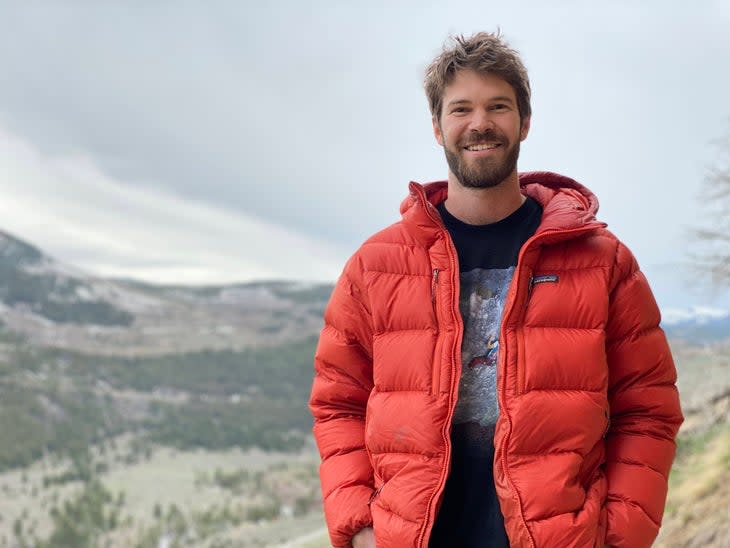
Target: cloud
70	208
278	125
310	116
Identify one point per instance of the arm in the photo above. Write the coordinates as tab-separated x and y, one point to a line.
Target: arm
645	410
342	385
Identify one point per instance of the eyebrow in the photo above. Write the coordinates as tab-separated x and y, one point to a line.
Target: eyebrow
499	98
502	98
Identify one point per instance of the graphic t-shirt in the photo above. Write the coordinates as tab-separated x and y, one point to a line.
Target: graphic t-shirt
469	515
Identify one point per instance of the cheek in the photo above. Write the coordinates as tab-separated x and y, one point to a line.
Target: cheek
451	135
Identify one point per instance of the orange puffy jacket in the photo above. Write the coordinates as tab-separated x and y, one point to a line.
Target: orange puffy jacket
586	382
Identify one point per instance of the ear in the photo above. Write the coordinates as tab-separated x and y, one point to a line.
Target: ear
525	128
437	131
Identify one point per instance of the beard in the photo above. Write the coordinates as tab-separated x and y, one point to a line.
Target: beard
483	172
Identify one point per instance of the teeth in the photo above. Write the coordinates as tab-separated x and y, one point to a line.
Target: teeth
482	146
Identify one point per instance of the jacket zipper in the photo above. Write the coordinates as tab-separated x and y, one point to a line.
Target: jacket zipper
453	264
520	334
434	286
502	371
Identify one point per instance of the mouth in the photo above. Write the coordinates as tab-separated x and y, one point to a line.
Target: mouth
479	147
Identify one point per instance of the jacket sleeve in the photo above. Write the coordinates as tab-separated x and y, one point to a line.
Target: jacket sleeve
342	384
645	412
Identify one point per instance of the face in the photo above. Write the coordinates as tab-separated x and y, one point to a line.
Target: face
480	129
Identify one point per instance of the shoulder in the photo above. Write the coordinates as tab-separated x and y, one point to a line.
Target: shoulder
391	251
387	244
598	248
396	234
624	263
610	246
621	261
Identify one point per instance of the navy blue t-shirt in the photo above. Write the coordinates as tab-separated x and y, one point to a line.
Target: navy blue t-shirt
469	516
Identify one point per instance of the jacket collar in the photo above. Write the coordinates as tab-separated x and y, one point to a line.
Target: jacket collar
566	203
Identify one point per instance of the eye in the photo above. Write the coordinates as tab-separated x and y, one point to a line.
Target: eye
500	106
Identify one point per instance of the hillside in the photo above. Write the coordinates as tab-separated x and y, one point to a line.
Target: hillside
84	358
102	378
696	513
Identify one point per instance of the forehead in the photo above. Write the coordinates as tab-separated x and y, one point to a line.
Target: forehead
470	85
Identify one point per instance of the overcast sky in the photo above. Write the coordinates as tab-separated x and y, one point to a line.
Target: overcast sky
203	142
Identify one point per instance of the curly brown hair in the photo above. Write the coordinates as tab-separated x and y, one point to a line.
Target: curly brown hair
485	53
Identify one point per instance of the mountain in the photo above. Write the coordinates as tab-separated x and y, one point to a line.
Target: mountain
697	314
53	304
38	285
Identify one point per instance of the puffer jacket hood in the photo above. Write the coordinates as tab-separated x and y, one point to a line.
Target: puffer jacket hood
566	203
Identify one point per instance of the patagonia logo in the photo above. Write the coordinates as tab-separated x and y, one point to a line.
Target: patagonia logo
549	278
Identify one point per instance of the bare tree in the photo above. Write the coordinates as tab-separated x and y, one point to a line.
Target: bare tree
712	233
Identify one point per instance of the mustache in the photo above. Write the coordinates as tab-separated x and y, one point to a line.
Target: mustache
489	135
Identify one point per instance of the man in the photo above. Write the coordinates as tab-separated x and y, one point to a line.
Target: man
491	371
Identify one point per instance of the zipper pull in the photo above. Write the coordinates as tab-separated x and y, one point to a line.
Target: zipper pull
375	494
534	280
434	284
529	290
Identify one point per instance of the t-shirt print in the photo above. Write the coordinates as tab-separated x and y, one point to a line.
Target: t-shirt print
482	296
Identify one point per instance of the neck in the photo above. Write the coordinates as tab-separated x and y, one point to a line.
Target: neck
481	206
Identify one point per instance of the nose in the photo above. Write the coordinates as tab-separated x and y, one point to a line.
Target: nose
481	121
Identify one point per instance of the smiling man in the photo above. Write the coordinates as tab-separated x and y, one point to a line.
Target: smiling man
491	371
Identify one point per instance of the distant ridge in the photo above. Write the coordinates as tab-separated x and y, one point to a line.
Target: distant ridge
697	325
15	249
36	289
697	314
55	304
37	283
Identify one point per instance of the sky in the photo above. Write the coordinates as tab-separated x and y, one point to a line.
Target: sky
214	142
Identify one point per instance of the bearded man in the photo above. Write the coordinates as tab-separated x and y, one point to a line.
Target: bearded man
491	371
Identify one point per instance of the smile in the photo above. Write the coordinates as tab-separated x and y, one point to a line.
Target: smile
482	146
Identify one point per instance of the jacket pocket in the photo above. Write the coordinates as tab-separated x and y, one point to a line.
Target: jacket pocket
520	362
436	359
